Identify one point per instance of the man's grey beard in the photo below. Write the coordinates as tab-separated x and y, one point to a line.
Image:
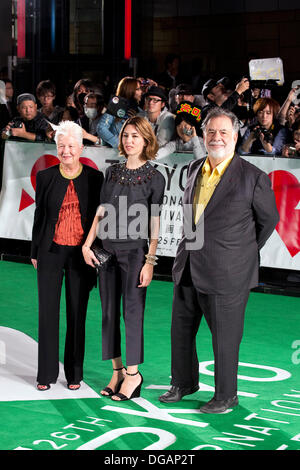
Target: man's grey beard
217	153
223	152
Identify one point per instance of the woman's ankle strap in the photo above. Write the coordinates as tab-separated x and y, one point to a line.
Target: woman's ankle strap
120	368
136	373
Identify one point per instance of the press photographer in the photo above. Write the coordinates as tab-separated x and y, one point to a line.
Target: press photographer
266	135
30	124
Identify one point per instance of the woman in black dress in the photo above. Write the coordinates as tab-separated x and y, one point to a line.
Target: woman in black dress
129	225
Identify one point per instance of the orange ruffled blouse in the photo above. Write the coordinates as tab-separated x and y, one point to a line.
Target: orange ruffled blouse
68	229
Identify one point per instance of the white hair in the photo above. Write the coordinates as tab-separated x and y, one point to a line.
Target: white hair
221	112
69	128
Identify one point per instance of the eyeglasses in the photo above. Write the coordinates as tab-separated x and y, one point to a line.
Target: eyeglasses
155	100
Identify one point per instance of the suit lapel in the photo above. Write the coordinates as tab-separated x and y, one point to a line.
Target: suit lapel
190	193
61	185
56	190
193	181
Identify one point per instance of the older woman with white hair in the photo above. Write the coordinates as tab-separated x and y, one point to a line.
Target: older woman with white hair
67	196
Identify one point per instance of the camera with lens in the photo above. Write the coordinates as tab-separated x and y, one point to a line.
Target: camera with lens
268	136
16	124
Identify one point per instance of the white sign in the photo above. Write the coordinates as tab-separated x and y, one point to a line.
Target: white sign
267	69
23	160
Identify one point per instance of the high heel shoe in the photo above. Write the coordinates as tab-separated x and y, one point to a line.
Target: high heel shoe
74	387
43	388
135	394
111	392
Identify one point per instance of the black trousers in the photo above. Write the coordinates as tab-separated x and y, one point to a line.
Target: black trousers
52	267
225	317
120	280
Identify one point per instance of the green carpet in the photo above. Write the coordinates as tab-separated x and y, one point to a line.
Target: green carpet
267	418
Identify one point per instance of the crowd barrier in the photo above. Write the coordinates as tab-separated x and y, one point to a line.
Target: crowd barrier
22	161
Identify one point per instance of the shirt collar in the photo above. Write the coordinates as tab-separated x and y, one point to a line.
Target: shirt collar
218	169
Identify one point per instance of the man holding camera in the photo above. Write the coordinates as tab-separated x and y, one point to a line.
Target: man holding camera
30	124
219	93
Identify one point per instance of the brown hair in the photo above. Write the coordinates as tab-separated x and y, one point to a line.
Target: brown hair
261	104
127	87
44	87
145	130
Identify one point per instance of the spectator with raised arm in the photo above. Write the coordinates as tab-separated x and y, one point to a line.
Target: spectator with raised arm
287	109
216	94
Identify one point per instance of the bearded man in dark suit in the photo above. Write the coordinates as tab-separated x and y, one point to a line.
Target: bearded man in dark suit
230	210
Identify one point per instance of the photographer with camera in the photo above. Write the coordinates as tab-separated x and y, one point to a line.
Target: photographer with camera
221	93
188	131
30	125
122	106
266	135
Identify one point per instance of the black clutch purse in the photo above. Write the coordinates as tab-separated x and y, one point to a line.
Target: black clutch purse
103	257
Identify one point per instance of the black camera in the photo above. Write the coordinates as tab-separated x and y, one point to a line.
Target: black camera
268	136
17	124
268	84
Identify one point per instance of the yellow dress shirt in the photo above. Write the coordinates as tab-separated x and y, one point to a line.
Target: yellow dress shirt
206	184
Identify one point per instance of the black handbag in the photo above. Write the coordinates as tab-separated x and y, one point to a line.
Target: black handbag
103	257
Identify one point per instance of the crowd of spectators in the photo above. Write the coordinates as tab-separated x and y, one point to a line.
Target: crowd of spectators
173	108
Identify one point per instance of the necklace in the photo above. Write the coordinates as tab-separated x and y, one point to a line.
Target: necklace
126	176
73	176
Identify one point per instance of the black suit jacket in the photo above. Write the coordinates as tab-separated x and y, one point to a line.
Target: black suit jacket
51	188
236	223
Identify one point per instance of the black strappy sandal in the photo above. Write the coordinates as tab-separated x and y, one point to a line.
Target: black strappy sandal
73	387
42	387
135	394
111	392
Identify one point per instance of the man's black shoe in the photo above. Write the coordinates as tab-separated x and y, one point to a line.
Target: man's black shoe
219	406
176	393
